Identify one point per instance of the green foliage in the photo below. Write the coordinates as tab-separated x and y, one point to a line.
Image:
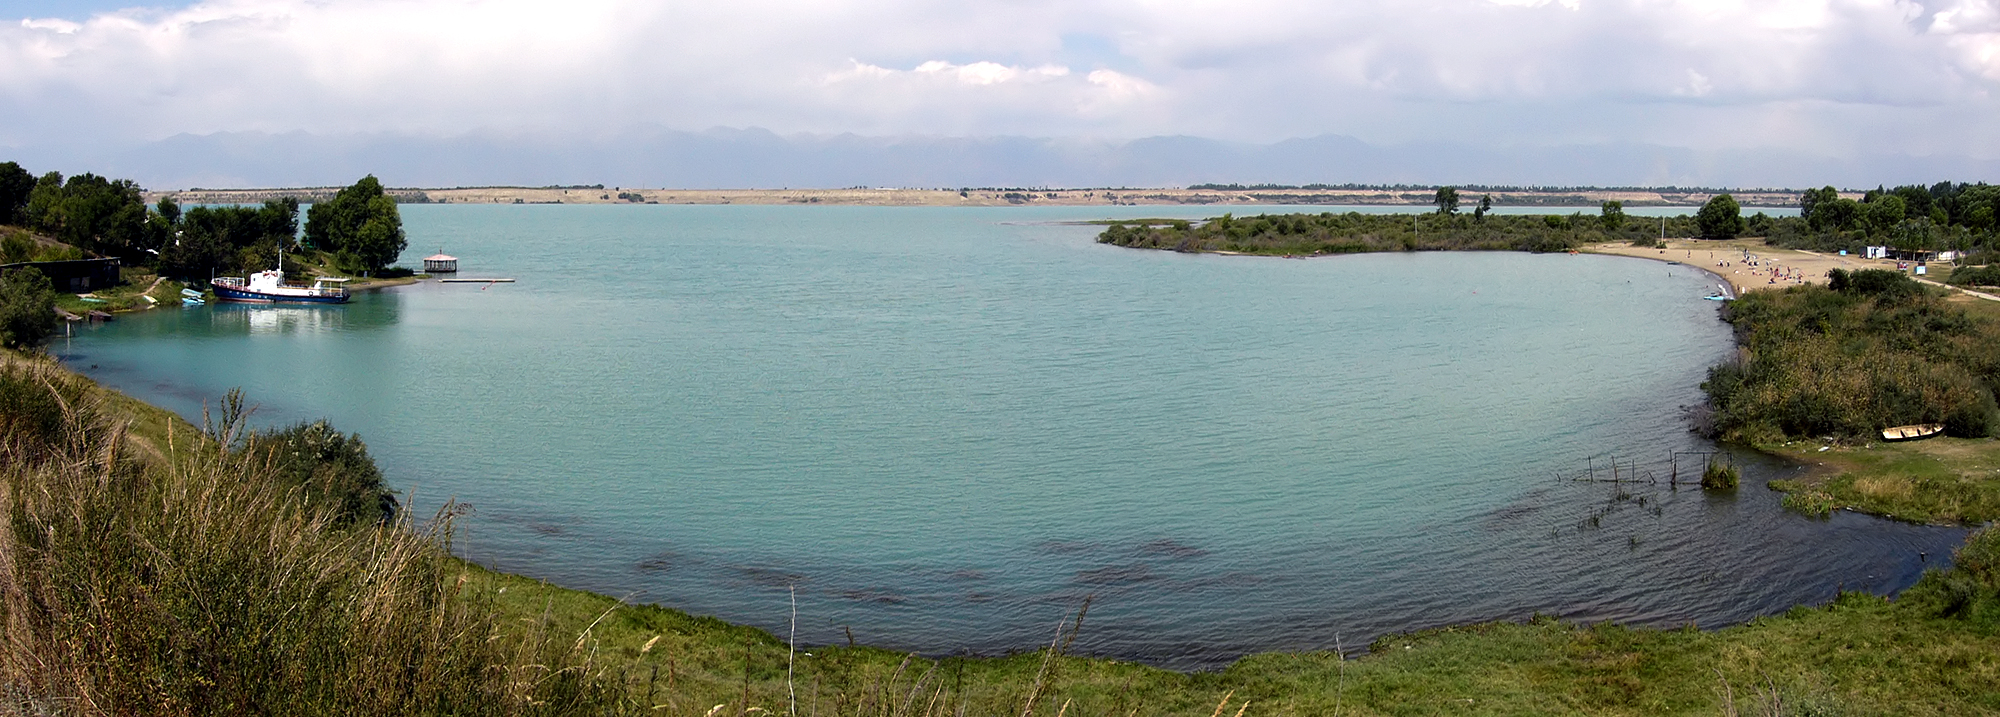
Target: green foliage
27	308
19	246
1810	501
1870	350
1970	590
1720	218
39	406
1718	476
100	215
15	185
1976	276
211	240
1447	200
1611	215
1882	214
360	225
1353	232
334	470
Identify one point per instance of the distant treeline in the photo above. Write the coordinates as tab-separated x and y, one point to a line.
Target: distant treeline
1476	188
1953	216
1869	350
1947	216
1354	232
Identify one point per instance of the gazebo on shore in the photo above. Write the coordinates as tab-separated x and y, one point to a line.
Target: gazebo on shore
440	264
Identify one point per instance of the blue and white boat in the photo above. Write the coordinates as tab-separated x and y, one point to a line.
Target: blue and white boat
269	287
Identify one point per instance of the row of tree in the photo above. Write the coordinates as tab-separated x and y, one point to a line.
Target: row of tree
1943	216
1719	218
359	229
1354	232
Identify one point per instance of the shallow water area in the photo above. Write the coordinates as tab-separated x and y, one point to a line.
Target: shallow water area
946	427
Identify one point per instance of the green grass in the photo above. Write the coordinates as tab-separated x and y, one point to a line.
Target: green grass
1861	654
1937	480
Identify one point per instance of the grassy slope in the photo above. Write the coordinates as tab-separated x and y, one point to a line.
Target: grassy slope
1861	655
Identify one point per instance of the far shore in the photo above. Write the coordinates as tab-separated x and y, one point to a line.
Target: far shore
987	197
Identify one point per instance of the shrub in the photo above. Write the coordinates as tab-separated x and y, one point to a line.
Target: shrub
27	308
1812	502
334	469
1719	477
1975	276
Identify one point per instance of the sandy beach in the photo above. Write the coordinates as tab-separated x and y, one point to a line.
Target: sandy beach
1747	264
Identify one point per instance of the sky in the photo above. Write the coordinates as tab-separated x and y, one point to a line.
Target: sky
1814	78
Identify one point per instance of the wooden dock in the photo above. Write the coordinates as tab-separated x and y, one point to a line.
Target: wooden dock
468	280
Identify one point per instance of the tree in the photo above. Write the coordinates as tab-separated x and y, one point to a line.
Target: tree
1447	200
1840	214
1485	205
27	308
359	224
206	240
1612	216
90	212
1813	205
1883	214
15	185
1720	218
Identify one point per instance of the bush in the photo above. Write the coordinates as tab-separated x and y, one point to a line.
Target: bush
1812	502
1975	276
27	308
334	469
1719	477
39	405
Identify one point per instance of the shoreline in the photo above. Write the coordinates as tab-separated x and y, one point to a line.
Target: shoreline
387	283
1413	633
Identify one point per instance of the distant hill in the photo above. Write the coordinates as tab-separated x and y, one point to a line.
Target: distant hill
755	158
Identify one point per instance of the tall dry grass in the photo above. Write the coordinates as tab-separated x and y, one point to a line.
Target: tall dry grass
204	585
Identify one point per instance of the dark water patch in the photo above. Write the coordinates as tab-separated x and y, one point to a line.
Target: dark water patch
1066	547
882	597
1111	575
1170	548
771	577
659	563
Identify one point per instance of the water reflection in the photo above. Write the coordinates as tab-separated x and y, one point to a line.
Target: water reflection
366	312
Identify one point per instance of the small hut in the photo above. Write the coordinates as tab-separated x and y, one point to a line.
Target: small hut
440	264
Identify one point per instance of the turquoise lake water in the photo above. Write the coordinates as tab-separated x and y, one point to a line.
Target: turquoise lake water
946	427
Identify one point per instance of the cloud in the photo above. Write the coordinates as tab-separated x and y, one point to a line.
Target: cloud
1828	76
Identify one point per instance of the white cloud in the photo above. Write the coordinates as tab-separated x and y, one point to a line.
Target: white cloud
1831	74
